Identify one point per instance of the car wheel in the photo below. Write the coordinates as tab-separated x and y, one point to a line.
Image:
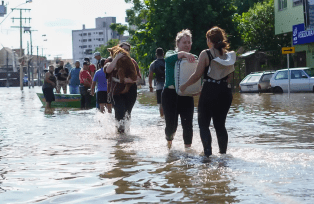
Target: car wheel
278	90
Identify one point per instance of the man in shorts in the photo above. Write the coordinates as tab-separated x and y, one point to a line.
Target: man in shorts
62	74
101	80
158	67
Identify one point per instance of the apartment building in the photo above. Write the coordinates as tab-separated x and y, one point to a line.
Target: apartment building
85	41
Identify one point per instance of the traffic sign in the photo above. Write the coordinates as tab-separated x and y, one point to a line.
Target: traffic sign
288	50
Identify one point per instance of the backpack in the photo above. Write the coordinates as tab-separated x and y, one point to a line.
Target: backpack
221	67
159	69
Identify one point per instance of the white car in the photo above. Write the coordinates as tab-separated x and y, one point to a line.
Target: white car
301	80
256	82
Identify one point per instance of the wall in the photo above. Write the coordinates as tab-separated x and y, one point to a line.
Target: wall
285	19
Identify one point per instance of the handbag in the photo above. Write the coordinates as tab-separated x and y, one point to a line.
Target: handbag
221	67
183	70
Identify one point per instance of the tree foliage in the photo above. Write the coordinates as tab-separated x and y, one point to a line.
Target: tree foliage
158	22
103	48
257	29
119	28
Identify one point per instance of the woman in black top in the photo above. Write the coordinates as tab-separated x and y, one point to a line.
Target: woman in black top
216	95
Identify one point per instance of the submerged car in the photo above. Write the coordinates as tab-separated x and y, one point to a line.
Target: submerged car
256	82
301	80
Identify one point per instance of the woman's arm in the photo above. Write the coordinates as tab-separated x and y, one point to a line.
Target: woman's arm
187	55
113	64
203	61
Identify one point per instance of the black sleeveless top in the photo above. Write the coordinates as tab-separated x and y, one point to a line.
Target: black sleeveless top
210	56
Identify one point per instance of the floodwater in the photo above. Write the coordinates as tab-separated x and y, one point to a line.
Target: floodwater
74	156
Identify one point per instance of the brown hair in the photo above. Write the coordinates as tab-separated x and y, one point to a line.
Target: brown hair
219	39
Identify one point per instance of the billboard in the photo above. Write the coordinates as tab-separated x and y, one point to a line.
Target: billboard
302	36
308	9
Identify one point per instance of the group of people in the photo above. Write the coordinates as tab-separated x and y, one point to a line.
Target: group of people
91	79
214	103
216	95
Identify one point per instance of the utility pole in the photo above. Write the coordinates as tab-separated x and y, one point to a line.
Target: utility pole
38	71
21	43
28	29
8	84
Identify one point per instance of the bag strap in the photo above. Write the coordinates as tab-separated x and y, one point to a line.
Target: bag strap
210	56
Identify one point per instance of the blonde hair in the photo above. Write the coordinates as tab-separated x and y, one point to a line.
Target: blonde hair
181	34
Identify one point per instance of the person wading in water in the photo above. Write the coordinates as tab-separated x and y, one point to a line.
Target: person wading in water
122	103
173	104
48	86
158	67
216	95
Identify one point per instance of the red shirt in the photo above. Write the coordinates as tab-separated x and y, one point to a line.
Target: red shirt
85	75
92	68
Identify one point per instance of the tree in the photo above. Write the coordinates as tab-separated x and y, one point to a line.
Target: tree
257	29
245	5
119	28
103	48
158	22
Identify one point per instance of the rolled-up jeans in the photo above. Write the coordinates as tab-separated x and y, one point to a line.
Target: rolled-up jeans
74	89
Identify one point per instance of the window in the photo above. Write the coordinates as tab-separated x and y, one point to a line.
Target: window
297	2
101	33
80	34
104	24
90	46
282	75
282	4
89	33
89	40
298	74
267	77
84	40
254	78
84	34
310	72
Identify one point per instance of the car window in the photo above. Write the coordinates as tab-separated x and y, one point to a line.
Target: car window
254	78
282	75
267	77
310	72
246	78
298	74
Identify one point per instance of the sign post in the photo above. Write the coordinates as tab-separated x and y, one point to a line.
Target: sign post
288	50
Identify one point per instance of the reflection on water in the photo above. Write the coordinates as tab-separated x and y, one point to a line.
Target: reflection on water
74	156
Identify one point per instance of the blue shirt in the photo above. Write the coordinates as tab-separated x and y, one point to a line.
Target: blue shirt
75	79
100	78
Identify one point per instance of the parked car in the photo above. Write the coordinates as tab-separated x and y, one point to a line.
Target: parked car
256	82
301	80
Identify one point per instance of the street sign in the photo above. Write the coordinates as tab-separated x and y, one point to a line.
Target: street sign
288	50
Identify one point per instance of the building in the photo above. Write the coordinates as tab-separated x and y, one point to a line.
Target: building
291	18
85	41
10	58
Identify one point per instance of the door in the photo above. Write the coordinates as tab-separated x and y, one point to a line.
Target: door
301	59
281	80
299	81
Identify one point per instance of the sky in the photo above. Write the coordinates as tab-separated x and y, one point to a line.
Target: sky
56	19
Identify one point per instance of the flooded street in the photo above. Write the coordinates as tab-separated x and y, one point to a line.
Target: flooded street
74	156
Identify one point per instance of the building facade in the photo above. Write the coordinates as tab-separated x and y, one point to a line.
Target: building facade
289	16
85	41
